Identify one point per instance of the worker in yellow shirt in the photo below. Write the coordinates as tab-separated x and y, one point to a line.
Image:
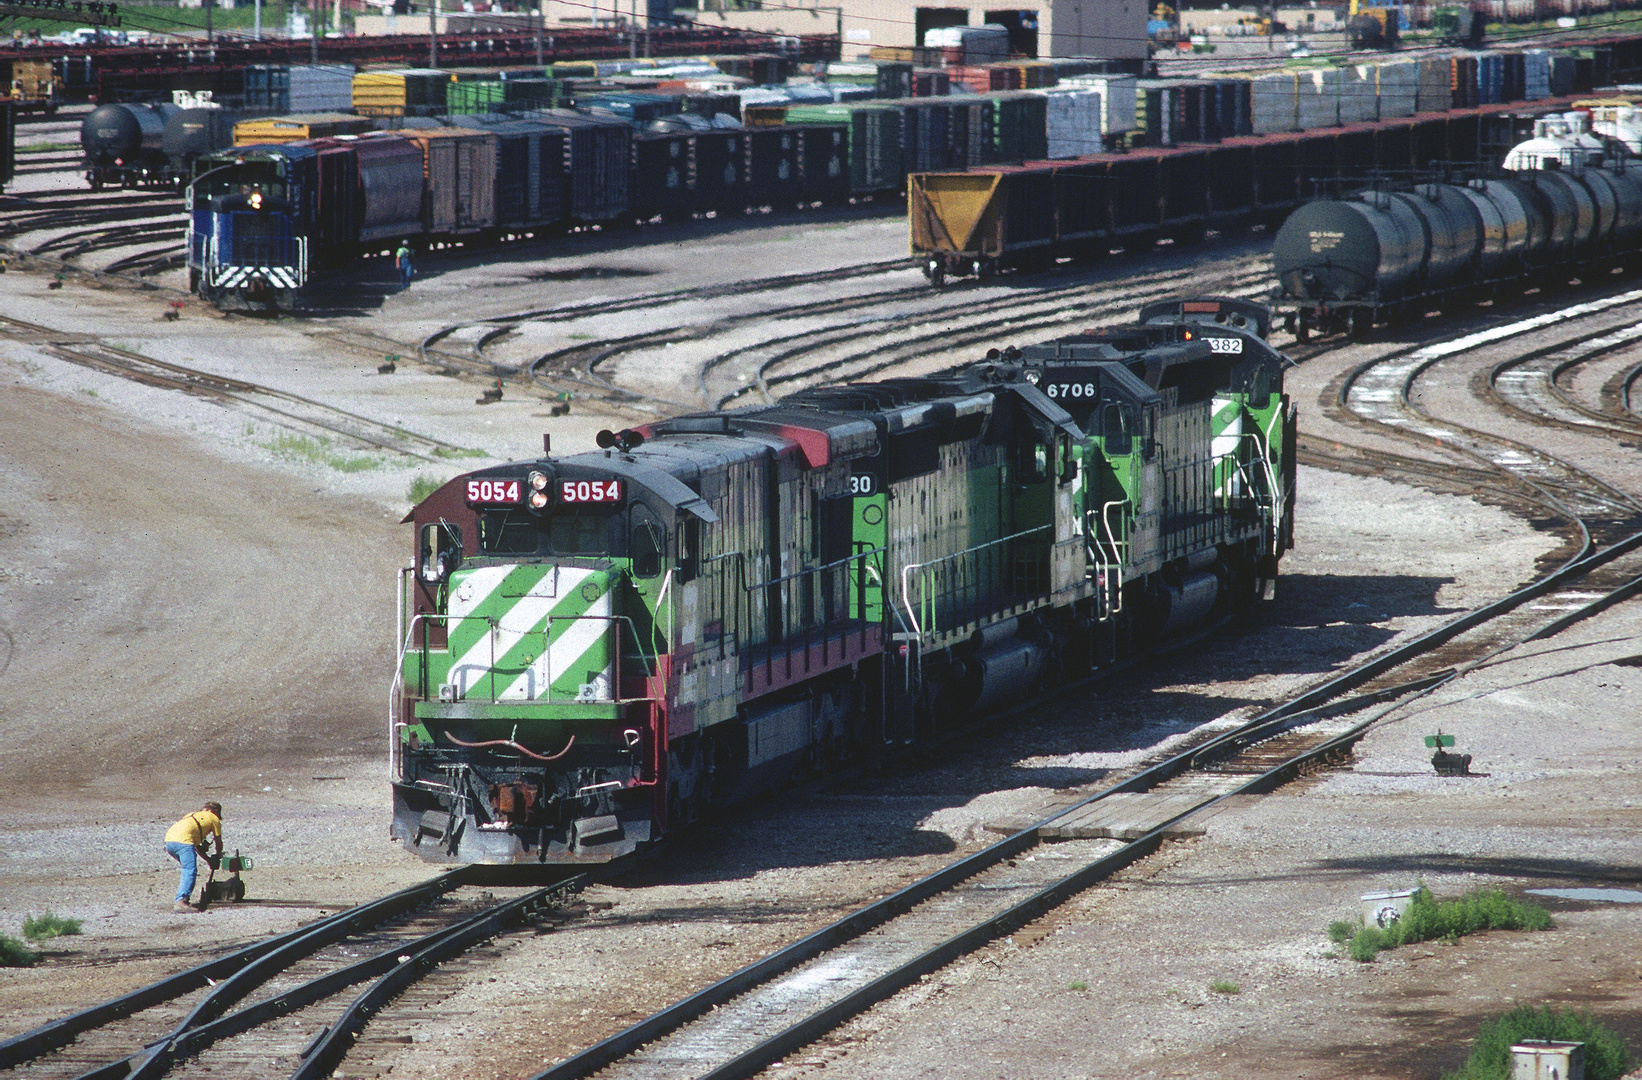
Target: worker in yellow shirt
185	840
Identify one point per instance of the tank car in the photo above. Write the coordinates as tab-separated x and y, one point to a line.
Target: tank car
1563	206
599	648
124	145
191	134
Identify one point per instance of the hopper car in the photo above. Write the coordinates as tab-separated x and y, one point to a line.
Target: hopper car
1007	217
599	648
1562	206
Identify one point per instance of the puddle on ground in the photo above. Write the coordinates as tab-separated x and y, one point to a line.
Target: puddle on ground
1600	896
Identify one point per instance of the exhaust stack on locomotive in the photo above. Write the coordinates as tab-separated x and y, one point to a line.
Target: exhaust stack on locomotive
598	649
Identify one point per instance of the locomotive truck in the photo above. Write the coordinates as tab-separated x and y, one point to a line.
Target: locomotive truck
599	648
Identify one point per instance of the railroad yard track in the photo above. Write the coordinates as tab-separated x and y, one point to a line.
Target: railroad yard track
280	1006
752	1019
280	407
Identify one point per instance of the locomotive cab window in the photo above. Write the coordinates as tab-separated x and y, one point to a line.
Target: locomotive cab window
507	532
1034	462
439	551
688	536
1068	460
579	532
1117	429
647	544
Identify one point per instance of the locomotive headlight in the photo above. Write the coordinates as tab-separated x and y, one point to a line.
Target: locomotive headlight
538	500
538	481
256	200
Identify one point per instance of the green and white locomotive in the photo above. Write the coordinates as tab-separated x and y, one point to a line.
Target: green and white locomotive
598	649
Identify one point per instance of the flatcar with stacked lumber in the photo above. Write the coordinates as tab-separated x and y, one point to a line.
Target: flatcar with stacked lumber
599	648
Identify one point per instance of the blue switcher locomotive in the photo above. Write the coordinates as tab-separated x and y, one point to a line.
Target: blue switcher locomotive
598	649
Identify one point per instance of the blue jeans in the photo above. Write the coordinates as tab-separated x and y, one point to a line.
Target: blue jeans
405	271
184	854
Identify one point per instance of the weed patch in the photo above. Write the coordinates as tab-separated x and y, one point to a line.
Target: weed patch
1429	920
318	452
1221	986
14	953
47	926
1077	984
448	453
421	487
1605	1057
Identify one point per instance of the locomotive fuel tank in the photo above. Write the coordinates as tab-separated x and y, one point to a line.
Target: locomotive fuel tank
124	134
1355	247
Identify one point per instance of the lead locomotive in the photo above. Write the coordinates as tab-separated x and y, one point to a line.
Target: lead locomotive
597	649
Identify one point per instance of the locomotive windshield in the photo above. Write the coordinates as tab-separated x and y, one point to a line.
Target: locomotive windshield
580	532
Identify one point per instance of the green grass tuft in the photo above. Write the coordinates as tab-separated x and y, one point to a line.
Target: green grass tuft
1365	943
1221	986
421	487
448	453
1077	984
1605	1057
319	452
1428	920
1340	930
14	953
43	927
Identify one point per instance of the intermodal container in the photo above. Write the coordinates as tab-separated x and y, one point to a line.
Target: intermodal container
408	92
283	129
875	155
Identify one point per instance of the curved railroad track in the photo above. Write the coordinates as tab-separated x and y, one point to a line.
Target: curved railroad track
292	411
743	1024
282	1006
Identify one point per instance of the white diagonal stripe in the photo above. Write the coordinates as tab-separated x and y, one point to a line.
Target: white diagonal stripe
525	616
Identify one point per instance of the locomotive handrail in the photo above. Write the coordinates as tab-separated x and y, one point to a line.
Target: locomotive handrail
1098	521
929	601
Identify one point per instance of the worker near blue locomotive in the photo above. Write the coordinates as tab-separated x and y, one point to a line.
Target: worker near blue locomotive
186	842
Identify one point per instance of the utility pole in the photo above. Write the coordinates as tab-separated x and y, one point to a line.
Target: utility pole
536	24
210	34
433	33
313	33
256	30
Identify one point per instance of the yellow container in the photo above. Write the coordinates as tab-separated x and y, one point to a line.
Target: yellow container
284	129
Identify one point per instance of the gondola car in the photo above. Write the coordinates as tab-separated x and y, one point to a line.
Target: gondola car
599	648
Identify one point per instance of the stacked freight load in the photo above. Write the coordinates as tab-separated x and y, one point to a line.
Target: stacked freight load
407	92
299	88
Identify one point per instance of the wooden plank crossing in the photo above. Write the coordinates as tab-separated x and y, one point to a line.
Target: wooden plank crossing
1131	815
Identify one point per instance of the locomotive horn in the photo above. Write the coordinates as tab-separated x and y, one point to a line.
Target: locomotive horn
606	439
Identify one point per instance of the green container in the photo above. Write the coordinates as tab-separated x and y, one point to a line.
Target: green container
1020	126
477	96
876	162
